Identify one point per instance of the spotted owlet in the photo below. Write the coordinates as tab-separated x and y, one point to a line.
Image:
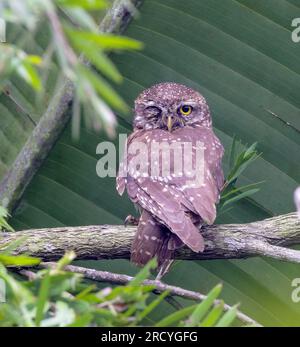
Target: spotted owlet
174	203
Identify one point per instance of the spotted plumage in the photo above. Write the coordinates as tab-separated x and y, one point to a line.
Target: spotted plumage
172	206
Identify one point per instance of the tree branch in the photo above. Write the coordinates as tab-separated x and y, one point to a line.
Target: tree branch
226	241
113	278
54	120
113	241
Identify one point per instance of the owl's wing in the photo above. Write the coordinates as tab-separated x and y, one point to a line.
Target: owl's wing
122	176
216	163
205	197
163	205
172	201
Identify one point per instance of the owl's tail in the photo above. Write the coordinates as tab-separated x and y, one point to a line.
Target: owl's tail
153	240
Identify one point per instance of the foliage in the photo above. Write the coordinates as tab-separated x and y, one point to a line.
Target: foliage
6	258
3	219
238	162
226	50
55	297
74	33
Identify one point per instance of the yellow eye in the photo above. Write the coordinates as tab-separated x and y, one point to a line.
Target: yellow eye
186	110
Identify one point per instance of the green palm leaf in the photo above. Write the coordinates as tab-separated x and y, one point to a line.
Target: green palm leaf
240	56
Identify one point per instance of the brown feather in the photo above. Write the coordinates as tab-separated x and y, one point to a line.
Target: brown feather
172	208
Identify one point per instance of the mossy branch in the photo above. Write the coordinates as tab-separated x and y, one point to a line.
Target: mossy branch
264	238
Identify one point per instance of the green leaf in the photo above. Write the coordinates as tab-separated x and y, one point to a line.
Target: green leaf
144	273
82	321
3	217
63	316
149	308
106	41
228	317
213	316
232	190
85	292
202	309
29	74
42	298
175	317
232	155
241	196
33	59
18	260
238	163
244	159
3	212
97	58
84	4
102	87
65	260
21	294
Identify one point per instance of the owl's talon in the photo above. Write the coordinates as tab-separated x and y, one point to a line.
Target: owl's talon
164	269
131	220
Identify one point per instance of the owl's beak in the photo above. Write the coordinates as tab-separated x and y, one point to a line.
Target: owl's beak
170	123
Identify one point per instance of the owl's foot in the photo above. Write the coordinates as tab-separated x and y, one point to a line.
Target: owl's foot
164	269
131	220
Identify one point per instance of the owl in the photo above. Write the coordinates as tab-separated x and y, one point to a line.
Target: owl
173	207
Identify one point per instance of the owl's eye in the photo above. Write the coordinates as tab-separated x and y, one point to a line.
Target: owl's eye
153	110
185	110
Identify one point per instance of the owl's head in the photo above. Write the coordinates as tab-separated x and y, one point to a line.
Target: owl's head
169	106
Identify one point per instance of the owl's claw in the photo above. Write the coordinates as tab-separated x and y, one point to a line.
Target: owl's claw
164	269
131	220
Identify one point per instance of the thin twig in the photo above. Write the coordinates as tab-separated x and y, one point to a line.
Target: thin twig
31	276
60	37
276	252
114	278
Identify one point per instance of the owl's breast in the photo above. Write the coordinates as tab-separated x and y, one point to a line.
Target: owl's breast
173	156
